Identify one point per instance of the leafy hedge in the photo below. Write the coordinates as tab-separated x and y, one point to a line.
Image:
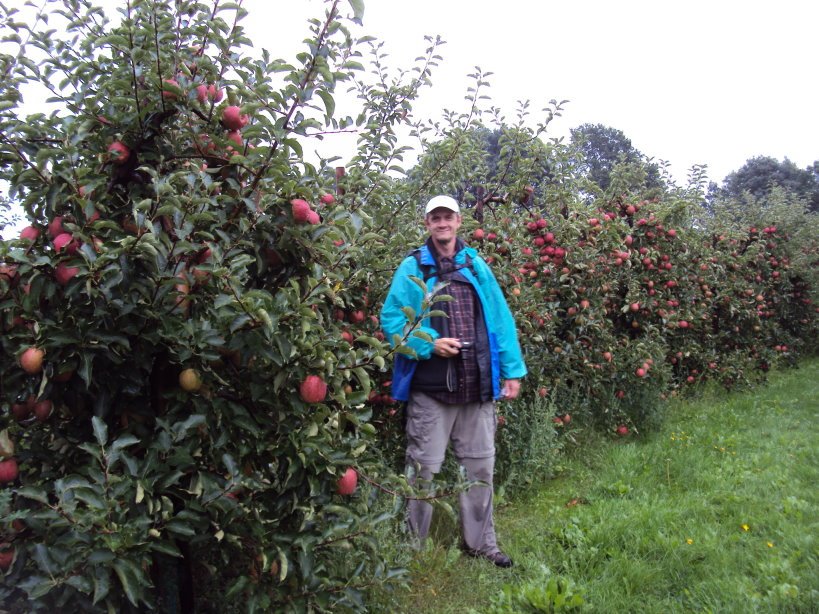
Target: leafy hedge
197	306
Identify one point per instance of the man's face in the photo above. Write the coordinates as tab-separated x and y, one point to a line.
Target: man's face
442	224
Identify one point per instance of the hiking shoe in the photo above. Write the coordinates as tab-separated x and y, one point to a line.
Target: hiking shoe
497	558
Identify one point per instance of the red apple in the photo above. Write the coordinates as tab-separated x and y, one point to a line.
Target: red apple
30	233
233	118
64	241
6	556
20	411
301	209
63	273
119	152
313	389
236	137
202	93
42	410
346	484
32	360
166	92
215	94
55	227
8	470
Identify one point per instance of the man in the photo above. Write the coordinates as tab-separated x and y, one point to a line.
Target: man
452	382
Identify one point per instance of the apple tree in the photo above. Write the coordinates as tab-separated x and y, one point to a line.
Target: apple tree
179	394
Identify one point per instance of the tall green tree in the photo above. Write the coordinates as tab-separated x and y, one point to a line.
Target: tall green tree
759	175
602	149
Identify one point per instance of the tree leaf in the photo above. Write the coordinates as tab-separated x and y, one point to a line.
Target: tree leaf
130	578
100	430
329	101
102	583
32	492
358	10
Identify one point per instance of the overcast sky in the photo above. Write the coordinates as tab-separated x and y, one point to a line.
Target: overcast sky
712	82
691	82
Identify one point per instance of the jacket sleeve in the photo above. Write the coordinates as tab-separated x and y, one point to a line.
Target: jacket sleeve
512	365
405	293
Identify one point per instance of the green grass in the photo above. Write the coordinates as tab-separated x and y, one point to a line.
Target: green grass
715	512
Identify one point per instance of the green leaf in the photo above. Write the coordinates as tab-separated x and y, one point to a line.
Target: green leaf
31	492
180	528
420	283
371	341
237	586
102	583
100	430
90	498
358	10
129	577
44	561
422	335
124	442
329	102
85	367
167	547
407	351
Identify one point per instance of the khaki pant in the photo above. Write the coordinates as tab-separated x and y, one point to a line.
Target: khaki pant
431	426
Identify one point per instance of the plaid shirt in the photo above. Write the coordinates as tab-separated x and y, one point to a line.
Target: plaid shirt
462	313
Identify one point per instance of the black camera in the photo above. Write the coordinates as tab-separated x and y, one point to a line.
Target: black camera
467	345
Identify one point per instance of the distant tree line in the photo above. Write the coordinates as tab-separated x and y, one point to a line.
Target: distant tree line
601	151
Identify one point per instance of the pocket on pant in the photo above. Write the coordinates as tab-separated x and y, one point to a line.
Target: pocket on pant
425	441
474	435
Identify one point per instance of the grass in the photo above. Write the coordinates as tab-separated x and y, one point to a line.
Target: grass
715	512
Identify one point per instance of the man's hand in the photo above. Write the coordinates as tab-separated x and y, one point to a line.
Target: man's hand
511	389
446	347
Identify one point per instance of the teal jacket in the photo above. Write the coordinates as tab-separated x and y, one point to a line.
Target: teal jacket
506	358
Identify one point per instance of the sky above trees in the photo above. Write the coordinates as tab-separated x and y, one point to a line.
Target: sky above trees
696	82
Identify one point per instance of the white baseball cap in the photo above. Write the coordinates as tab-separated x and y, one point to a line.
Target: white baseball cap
442	200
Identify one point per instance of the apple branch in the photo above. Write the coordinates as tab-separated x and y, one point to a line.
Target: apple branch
309	75
24	159
383	488
134	79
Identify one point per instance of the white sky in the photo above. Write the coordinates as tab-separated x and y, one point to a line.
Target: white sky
711	82
691	82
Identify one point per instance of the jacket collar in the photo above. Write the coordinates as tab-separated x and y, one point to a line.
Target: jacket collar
429	255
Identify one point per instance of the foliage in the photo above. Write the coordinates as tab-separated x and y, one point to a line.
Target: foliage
545	596
762	174
602	149
185	257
